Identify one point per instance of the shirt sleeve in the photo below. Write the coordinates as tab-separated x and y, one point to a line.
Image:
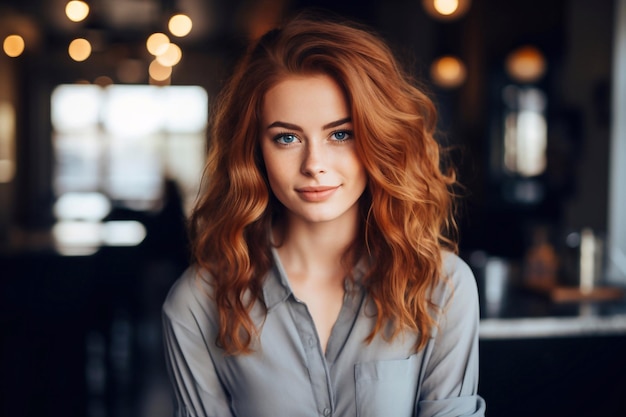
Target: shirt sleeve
198	391
450	382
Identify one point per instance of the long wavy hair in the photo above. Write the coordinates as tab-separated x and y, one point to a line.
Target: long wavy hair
407	209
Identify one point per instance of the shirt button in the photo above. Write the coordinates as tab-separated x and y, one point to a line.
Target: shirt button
312	343
326	412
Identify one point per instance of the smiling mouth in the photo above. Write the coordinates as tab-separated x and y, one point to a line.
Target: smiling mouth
315	194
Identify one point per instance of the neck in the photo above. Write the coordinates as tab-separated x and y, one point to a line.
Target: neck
315	250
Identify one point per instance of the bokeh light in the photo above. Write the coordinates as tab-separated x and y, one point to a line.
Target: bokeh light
157	43
79	49
526	64
448	72
180	25
446	10
446	7
76	10
158	71
171	56
13	45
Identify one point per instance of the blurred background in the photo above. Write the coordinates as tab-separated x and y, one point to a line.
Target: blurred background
103	113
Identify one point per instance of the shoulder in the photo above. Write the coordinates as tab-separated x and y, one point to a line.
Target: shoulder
457	270
458	282
190	297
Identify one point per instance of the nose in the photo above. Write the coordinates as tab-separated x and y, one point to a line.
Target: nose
314	159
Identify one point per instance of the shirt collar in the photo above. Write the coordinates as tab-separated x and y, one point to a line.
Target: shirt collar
276	288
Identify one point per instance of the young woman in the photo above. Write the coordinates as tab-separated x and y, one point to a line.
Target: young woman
326	281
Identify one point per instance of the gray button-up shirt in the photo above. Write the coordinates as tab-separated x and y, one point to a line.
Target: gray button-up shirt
289	375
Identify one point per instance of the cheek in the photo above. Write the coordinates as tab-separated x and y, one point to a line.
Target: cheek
358	169
268	161
276	171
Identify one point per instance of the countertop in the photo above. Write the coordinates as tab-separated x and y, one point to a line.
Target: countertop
521	313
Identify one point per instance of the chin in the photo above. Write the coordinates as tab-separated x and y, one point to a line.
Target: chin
322	217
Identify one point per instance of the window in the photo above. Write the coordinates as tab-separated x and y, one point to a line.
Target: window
116	147
124	140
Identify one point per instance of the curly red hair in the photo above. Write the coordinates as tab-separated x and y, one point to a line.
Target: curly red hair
407	208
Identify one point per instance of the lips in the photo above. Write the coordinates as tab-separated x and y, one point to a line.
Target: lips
316	194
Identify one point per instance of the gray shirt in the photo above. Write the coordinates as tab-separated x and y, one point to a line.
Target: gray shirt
289	374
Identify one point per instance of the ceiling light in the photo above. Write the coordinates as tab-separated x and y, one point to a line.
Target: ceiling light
448	72
171	56
526	64
13	45
180	25
79	49
158	71
76	10
157	43
446	10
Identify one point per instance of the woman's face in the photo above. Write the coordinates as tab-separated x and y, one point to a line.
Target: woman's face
309	150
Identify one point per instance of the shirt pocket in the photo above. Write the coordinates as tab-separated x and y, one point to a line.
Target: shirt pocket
386	388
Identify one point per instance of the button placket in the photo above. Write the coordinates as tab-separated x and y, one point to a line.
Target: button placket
316	362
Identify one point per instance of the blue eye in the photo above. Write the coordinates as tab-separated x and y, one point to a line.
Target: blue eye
285	138
342	135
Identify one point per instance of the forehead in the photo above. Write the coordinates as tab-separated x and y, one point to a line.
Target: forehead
300	95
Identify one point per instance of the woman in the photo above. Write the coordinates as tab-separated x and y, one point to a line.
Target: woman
325	280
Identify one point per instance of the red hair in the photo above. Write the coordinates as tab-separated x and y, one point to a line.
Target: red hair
407	208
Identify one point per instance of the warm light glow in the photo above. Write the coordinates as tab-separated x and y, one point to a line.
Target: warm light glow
448	72
526	64
131	71
13	45
446	10
171	56
165	83
158	71
180	25
7	142
157	43
79	49
7	170
446	7
76	10
103	81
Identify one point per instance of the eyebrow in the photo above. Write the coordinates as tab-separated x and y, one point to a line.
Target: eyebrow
291	126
